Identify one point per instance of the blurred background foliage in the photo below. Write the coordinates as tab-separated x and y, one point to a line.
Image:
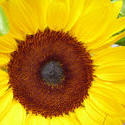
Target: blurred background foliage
121	42
123	9
4	25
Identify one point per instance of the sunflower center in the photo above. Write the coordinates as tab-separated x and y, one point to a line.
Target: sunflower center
50	73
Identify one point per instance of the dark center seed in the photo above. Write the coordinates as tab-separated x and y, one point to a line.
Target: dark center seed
52	72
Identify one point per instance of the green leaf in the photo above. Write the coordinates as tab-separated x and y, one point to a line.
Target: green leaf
121	42
4	26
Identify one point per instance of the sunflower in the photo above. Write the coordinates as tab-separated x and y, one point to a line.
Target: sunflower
57	65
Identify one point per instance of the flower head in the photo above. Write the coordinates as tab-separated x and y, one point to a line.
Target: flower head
58	66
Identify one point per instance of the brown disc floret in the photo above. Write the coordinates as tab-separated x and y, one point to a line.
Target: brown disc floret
50	73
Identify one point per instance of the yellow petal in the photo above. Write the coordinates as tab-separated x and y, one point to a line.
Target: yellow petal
65	121
57	15
106	104
69	119
83	117
120	85
7	44
86	29
76	7
109	89
106	44
74	118
4	78
109	64
96	14
4	59
15	116
21	16
40	6
108	38
93	112
13	31
116	6
36	120
56	121
2	1
109	56
3	89
4	82
5	104
111	73
112	121
119	25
